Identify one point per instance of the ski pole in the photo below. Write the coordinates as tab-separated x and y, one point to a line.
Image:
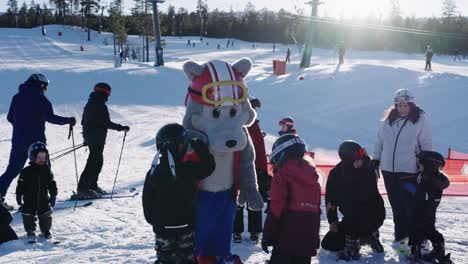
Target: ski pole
63	150
118	164
76	166
68	152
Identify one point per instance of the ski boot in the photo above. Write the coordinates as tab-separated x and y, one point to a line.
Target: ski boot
254	237
374	242
415	255
47	234
85	194
237	238
438	253
351	250
99	191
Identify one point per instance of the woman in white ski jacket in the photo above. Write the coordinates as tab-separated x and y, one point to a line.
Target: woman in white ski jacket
404	133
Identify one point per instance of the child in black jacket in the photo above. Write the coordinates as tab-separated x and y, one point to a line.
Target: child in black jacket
428	193
170	189
35	183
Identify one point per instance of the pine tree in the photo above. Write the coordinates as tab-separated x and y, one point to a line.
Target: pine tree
449	8
118	23
88	8
12	12
202	11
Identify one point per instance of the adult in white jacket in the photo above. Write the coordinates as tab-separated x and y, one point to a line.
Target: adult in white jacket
404	133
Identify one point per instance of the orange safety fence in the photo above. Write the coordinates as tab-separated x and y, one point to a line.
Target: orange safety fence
456	169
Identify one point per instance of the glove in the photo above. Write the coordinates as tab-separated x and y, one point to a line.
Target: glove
72	121
265	244
19	200
253	197
124	128
375	164
52	201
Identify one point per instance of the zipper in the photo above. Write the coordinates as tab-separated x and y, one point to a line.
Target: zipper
38	191
396	142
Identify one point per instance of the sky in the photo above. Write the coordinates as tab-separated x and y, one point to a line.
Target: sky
330	8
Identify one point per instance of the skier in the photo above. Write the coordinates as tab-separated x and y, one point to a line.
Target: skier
288	56
188	43
95	122
35	184
429	54
293	221
404	132
29	111
6	232
274	47
228	43
170	189
457	55
352	189
341	52
428	193
219	46
263	180
287	126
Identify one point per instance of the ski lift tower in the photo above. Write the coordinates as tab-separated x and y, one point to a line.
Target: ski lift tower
305	61
157	34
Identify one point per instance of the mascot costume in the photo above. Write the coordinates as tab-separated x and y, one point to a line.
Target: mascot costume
218	106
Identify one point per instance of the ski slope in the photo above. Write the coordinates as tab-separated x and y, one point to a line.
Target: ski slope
327	111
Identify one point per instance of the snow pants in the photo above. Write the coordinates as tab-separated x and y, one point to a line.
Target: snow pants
215	215
254	219
175	246
18	157
279	258
45	221
90	175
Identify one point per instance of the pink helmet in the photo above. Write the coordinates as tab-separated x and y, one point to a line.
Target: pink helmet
219	85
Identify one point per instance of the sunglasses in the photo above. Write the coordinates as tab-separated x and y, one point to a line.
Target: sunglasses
224	92
402	99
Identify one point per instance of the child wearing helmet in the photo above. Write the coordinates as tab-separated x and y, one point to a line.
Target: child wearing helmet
352	189
36	191
287	126
293	221
169	192
427	193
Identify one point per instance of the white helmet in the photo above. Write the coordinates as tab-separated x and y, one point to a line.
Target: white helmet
403	95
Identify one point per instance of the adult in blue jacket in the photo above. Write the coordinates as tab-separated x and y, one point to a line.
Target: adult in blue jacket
29	111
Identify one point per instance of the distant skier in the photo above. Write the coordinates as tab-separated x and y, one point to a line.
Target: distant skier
122	56
232	43
274	47
293	221
228	43
427	191
35	184
193	45
188	43
219	46
457	55
29	111
169	192
287	126
95	122
263	179
6	232
429	55
288	56
352	190
341	52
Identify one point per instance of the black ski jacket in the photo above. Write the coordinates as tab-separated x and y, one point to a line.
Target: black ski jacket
168	201
35	183
355	194
96	120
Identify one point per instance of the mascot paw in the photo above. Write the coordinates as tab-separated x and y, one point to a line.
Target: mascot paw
253	198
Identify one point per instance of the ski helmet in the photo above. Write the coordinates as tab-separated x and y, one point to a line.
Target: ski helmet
103	88
36	148
350	151
284	144
287	121
431	160
255	102
40	79
403	95
171	137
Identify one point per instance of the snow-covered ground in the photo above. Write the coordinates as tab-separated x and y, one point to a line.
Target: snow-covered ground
327	111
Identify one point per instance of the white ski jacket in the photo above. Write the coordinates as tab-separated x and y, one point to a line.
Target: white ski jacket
397	145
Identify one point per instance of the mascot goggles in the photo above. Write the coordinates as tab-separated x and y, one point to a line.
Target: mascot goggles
222	92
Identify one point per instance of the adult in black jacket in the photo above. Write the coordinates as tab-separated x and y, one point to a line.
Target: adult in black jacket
96	122
6	232
352	189
35	183
169	195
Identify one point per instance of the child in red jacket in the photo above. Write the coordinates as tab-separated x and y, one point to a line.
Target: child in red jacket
293	221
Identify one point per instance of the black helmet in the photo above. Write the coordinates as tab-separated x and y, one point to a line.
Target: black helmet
431	160
36	148
287	121
170	137
351	151
286	143
255	103
40	79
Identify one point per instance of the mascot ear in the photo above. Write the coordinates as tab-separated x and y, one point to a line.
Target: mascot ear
243	66
193	69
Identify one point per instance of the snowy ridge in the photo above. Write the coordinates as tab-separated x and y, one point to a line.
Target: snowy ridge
326	112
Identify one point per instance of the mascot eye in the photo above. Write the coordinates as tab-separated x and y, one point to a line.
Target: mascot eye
216	113
233	112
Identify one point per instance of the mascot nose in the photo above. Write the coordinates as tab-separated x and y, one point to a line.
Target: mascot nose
231	143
